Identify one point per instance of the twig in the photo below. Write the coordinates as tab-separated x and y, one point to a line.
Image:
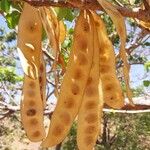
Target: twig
48	55
126	111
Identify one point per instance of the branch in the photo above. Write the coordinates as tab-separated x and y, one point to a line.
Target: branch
127	109
143	15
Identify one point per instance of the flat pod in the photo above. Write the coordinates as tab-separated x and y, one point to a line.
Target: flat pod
113	95
29	40
73	84
119	22
55	30
32	110
29	44
90	113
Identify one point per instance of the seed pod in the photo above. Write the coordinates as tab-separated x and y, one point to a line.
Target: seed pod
90	113
29	43
32	110
112	92
29	40
74	82
56	33
49	27
119	22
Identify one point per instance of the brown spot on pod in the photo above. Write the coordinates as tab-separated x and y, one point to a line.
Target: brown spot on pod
78	74
90	91
89	81
91	118
83	44
104	69
69	103
102	50
32	84
32	27
36	134
90	105
109	87
31	112
65	118
57	131
75	89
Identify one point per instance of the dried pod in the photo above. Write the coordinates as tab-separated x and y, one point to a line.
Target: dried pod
73	84
112	92
29	43
90	113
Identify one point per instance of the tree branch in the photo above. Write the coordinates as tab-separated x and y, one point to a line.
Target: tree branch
138	108
143	15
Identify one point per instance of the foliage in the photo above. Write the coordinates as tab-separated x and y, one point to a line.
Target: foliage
8	74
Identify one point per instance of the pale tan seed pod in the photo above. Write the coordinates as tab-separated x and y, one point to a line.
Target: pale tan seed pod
32	110
48	24
29	43
55	29
29	40
74	82
113	95
56	33
119	22
90	113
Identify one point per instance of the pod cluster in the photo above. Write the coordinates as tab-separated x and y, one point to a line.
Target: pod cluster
89	81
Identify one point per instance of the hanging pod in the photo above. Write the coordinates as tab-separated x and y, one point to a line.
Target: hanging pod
29	48
90	113
112	92
74	82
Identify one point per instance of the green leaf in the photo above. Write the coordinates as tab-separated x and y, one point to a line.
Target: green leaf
65	13
8	74
146	83
147	66
147	43
12	19
5	5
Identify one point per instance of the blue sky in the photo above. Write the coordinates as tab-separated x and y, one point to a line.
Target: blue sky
136	73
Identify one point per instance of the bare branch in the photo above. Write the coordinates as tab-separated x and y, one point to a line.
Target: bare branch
143	15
